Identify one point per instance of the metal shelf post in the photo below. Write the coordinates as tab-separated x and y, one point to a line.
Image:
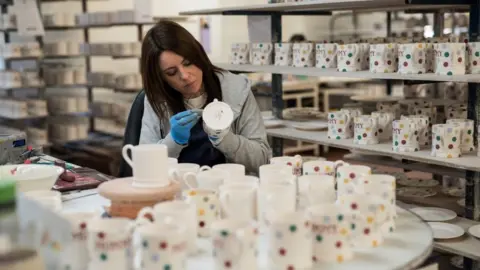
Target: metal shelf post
277	85
88	65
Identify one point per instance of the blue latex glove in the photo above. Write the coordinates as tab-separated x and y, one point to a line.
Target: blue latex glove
181	124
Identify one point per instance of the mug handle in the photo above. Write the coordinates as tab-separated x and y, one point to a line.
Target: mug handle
204	168
125	154
225	202
190	179
143	212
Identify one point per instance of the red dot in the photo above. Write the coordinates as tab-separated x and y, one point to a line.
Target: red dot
83	225
474	63
101	235
289	163
352	175
404	142
420	61
405	64
450	146
290	267
338	244
316	168
282	252
389	62
445	64
366	231
364	135
437	146
163	245
228	264
201	224
314	258
376	63
354	206
460	59
339	130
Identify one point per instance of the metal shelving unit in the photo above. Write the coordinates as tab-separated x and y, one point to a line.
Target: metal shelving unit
468	166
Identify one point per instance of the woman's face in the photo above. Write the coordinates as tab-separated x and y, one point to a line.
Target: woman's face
181	74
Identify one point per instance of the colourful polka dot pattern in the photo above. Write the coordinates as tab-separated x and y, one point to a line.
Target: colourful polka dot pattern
326	55
303	55
383	58
413	58
449	59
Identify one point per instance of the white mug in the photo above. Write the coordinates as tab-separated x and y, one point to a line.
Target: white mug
239	200
149	164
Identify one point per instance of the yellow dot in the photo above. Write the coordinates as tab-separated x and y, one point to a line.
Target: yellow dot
467	140
368	129
370	220
420	45
401	125
340	258
374	243
390	46
192	193
343	231
341	122
201	212
382	207
342	46
298	164
449	156
330	52
327	169
346	180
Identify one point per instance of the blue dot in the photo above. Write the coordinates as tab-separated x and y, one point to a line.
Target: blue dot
155	258
326	219
278	235
212	206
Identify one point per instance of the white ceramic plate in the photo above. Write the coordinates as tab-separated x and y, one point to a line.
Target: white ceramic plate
474	231
273	123
310	126
434	213
445	230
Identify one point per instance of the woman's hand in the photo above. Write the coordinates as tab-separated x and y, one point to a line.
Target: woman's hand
181	124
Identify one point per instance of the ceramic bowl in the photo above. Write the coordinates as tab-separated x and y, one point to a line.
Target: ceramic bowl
31	177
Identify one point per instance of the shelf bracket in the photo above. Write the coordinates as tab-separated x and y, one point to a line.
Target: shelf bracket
277	85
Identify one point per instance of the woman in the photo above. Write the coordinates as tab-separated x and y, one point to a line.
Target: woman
179	78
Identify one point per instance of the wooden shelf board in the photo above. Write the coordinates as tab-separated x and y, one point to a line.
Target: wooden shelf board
324	5
317	72
466	162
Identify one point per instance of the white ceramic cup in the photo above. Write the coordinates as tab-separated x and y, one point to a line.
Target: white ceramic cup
235	170
185	173
347	177
178	210
290	242
75	254
294	162
316	189
234	244
238	200
207	208
446	140
275	199
162	245
366	130
340	125
330	226
207	179
109	243
149	164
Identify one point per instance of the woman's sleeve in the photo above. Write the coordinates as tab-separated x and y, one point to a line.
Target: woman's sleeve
249	146
151	131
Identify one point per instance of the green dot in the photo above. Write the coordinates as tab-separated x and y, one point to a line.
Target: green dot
350	55
319	238
261	45
68	267
416	149
352	226
338	138
408	56
477	54
145	244
447	54
359	137
338	174
340	217
391	229
454	139
332	116
293	228
396	143
469	131
224	233
324	67
438	138
280	45
449	73
103	257
167	267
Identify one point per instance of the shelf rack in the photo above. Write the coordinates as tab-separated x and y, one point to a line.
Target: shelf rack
469	166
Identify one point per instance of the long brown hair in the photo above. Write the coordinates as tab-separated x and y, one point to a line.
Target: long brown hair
169	35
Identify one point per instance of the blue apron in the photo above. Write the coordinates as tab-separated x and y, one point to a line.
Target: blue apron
200	150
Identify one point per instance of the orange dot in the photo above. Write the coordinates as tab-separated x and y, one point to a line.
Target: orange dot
340	258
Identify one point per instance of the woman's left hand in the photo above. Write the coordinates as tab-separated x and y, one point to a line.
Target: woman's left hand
214	137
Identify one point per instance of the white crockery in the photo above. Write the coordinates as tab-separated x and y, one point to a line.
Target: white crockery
149	164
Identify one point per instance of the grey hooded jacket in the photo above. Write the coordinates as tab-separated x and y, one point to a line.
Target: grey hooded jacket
247	143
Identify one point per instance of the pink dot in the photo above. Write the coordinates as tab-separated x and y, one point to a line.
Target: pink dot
405	64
